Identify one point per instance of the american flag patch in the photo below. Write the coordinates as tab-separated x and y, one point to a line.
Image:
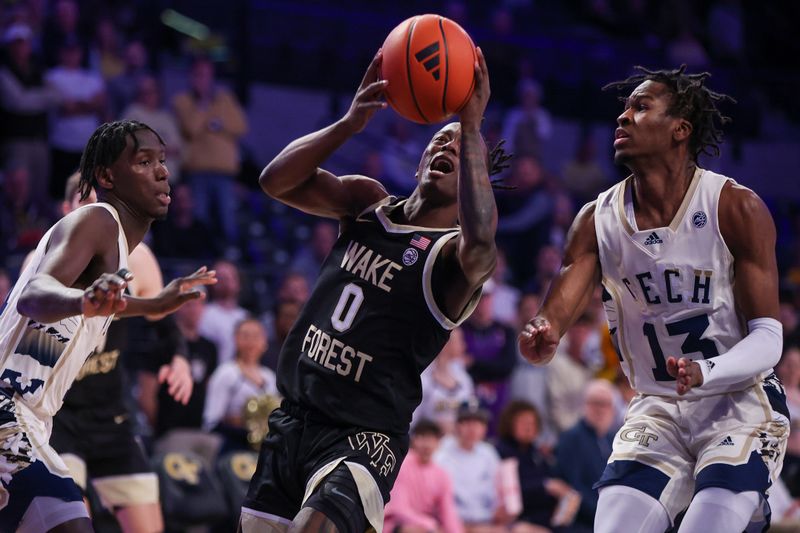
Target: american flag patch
420	241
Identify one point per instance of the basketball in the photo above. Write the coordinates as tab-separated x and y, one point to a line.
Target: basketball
429	61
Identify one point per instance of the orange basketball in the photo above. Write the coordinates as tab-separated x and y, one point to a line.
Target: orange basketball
429	61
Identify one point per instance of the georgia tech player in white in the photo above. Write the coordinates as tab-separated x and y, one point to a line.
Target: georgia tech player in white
59	311
686	258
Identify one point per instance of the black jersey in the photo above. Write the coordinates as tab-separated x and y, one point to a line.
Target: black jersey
371	325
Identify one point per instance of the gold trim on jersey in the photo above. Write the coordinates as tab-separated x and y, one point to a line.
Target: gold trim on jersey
662	466
676	220
391	227
427	288
623	347
380	203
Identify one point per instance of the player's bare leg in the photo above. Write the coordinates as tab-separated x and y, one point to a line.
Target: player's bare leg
78	525
141	518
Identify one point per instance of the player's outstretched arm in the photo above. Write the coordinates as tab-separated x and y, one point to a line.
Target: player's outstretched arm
75	243
175	294
294	176
749	232
568	294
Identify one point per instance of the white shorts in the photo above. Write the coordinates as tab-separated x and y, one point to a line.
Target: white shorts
671	448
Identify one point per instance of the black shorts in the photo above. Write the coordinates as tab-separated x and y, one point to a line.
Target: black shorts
102	439
301	443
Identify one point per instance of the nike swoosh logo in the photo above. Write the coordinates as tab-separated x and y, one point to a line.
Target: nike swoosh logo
339	493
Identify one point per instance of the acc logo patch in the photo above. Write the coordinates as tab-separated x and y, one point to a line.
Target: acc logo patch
699	219
410	256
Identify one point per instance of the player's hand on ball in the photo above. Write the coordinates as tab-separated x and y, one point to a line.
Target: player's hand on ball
105	296
538	341
181	290
472	112
178	377
686	372
368	98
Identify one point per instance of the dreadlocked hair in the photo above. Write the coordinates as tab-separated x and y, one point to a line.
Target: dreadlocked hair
498	162
691	100
104	147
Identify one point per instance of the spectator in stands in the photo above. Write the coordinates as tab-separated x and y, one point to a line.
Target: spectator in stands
25	101
492	352
22	224
541	489
235	382
583	176
400	156
788	371
212	122
104	55
446	385
182	235
163	413
525	215
548	264
584	449
563	215
503	54
505	296
284	316
309	258
473	465
422	498
294	287
60	28
83	103
123	88
569	374
147	108
221	316
528	125
529	382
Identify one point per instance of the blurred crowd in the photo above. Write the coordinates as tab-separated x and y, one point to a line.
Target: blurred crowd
497	444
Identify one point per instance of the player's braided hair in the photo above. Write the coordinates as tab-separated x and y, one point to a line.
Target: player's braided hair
498	162
691	100
104	147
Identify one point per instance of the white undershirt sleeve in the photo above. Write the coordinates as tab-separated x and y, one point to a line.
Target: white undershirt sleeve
760	350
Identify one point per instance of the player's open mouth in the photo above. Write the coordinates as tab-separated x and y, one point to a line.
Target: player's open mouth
164	198
442	164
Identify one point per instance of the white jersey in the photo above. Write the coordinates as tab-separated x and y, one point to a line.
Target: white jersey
668	291
39	361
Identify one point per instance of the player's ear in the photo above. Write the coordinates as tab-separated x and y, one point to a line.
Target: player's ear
104	177
683	130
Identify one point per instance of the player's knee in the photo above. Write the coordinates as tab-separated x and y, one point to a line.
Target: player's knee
717	509
338	500
619	504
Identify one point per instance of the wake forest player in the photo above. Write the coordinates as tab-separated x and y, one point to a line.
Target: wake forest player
686	258
400	277
59	311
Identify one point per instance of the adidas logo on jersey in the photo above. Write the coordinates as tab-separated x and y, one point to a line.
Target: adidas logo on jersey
653	238
727	441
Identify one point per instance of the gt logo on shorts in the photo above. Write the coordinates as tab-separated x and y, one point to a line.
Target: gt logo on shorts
639	434
376	446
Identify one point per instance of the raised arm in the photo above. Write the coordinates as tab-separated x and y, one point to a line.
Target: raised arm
475	251
568	294
294	176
